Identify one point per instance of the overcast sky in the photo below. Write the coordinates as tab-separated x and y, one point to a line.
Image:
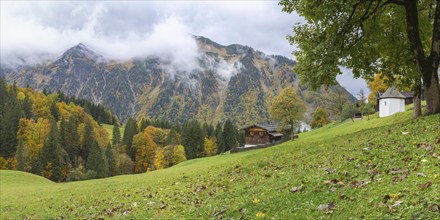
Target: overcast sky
122	30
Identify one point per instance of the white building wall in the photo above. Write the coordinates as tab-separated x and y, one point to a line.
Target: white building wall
389	106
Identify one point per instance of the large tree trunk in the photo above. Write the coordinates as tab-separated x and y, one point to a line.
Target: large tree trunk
417	110
432	92
427	65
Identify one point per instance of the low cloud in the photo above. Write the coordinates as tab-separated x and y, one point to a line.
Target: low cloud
30	40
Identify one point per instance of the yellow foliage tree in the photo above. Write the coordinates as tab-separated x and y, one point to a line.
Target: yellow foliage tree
210	146
178	154
145	150
379	84
320	118
159	159
288	109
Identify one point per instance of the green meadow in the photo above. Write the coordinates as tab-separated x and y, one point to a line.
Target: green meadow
382	168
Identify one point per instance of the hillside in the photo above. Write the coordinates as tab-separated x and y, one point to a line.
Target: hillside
383	168
235	82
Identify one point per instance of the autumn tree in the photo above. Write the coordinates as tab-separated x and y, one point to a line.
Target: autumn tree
377	85
178	154
210	146
288	109
391	36
320	118
159	159
145	150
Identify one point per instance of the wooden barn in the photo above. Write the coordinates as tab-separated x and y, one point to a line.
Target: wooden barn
261	134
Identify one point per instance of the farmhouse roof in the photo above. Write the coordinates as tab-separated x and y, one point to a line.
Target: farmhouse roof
392	92
270	127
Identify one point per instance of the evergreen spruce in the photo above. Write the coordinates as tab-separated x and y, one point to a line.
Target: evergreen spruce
50	161
111	160
193	138
172	138
27	107
129	132
12	114
229	136
219	136
3	99
54	111
19	155
116	134
71	139
97	162
88	139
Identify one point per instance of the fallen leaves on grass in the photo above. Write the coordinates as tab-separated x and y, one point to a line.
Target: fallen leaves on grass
260	214
327	208
390	196
434	208
425	185
255	200
296	189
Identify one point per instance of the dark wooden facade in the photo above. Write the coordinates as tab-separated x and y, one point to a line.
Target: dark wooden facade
259	134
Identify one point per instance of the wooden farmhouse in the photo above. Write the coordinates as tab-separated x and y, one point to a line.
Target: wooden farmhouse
261	134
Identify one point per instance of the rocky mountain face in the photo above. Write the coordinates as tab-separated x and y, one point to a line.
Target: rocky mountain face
234	81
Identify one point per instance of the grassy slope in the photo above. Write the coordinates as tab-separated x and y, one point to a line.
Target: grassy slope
109	129
332	164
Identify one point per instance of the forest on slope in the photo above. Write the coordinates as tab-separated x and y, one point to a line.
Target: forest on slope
43	134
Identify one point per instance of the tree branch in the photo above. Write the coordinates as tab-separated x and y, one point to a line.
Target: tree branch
413	32
397	2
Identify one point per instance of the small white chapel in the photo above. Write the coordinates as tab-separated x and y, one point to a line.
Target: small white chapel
391	102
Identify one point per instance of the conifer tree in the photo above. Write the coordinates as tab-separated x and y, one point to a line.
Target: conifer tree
50	161
129	132
111	160
193	139
87	140
71	139
19	155
54	111
173	138
116	134
27	107
219	137
3	99
11	117
97	162
229	137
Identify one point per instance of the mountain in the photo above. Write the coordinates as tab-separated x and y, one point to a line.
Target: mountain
232	81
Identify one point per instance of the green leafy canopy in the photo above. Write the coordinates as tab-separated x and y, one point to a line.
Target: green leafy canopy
366	36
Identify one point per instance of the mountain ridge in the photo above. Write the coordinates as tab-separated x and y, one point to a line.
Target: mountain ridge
233	81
